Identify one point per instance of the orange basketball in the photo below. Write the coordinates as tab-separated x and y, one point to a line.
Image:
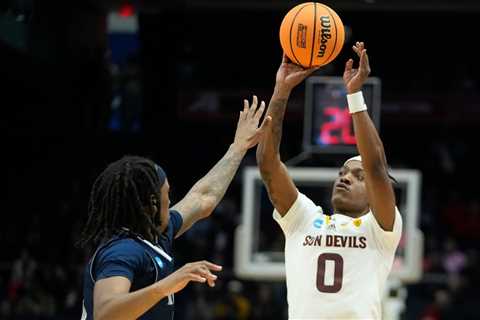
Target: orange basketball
312	34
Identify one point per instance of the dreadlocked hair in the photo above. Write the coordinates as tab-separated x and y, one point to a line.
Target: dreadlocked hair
118	200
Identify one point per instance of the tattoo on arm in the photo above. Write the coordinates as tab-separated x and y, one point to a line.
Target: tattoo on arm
280	186
205	195
277	109
217	180
211	188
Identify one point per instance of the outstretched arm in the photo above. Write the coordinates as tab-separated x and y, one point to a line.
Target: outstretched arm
279	184
379	187
113	299
205	195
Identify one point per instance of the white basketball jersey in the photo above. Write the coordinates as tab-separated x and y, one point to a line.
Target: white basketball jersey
336	266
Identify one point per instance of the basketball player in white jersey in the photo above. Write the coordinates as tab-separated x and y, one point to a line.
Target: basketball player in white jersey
337	263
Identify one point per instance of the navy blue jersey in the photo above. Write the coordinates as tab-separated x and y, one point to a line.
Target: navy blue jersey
139	260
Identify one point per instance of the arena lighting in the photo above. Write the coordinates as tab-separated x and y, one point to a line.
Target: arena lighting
126	10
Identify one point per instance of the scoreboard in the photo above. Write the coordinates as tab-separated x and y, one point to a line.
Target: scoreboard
328	126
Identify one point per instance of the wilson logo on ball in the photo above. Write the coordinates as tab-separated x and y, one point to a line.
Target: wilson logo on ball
325	35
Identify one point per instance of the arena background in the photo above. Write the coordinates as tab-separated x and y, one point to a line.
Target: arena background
179	97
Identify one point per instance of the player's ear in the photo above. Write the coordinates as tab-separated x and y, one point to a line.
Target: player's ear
154	203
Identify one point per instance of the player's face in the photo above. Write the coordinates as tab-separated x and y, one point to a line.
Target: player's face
164	205
349	193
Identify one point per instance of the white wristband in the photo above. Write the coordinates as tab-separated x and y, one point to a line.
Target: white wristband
356	102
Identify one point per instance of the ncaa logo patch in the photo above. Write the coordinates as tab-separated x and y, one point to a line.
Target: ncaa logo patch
159	262
357	222
317	223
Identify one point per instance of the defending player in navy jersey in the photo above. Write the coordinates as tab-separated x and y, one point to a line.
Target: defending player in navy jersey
336	264
131	273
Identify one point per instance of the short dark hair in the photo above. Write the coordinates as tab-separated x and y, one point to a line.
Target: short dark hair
118	199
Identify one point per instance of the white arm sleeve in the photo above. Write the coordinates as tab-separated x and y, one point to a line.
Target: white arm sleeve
297	216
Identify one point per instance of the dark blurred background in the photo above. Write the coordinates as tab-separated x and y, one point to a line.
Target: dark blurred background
75	97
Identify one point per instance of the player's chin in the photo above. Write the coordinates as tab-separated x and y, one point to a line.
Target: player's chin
340	201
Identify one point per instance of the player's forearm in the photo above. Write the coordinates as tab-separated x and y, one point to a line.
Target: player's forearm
130	305
214	184
268	150
369	143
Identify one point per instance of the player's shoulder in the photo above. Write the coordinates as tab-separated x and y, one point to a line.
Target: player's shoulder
124	250
304	202
370	216
371	221
303	207
122	246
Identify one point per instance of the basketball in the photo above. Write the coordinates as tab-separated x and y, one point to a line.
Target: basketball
312	34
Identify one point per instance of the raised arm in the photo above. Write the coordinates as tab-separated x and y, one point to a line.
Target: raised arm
279	184
205	195
379	186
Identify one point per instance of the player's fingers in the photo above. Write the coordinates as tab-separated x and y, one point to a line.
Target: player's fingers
285	59
361	63
205	273
309	71
201	271
364	65
203	268
211	266
253	107
197	278
349	65
259	112
246	106
211	283
209	276
365	58
360	47
356	49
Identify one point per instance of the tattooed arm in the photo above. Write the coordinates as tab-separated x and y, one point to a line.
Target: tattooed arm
205	195
279	184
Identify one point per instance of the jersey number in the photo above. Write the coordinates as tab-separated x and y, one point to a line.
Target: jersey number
337	273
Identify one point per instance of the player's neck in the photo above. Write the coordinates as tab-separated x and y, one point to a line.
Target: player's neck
351	214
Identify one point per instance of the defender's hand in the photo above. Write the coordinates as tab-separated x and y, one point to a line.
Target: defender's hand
355	78
289	75
248	133
196	271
